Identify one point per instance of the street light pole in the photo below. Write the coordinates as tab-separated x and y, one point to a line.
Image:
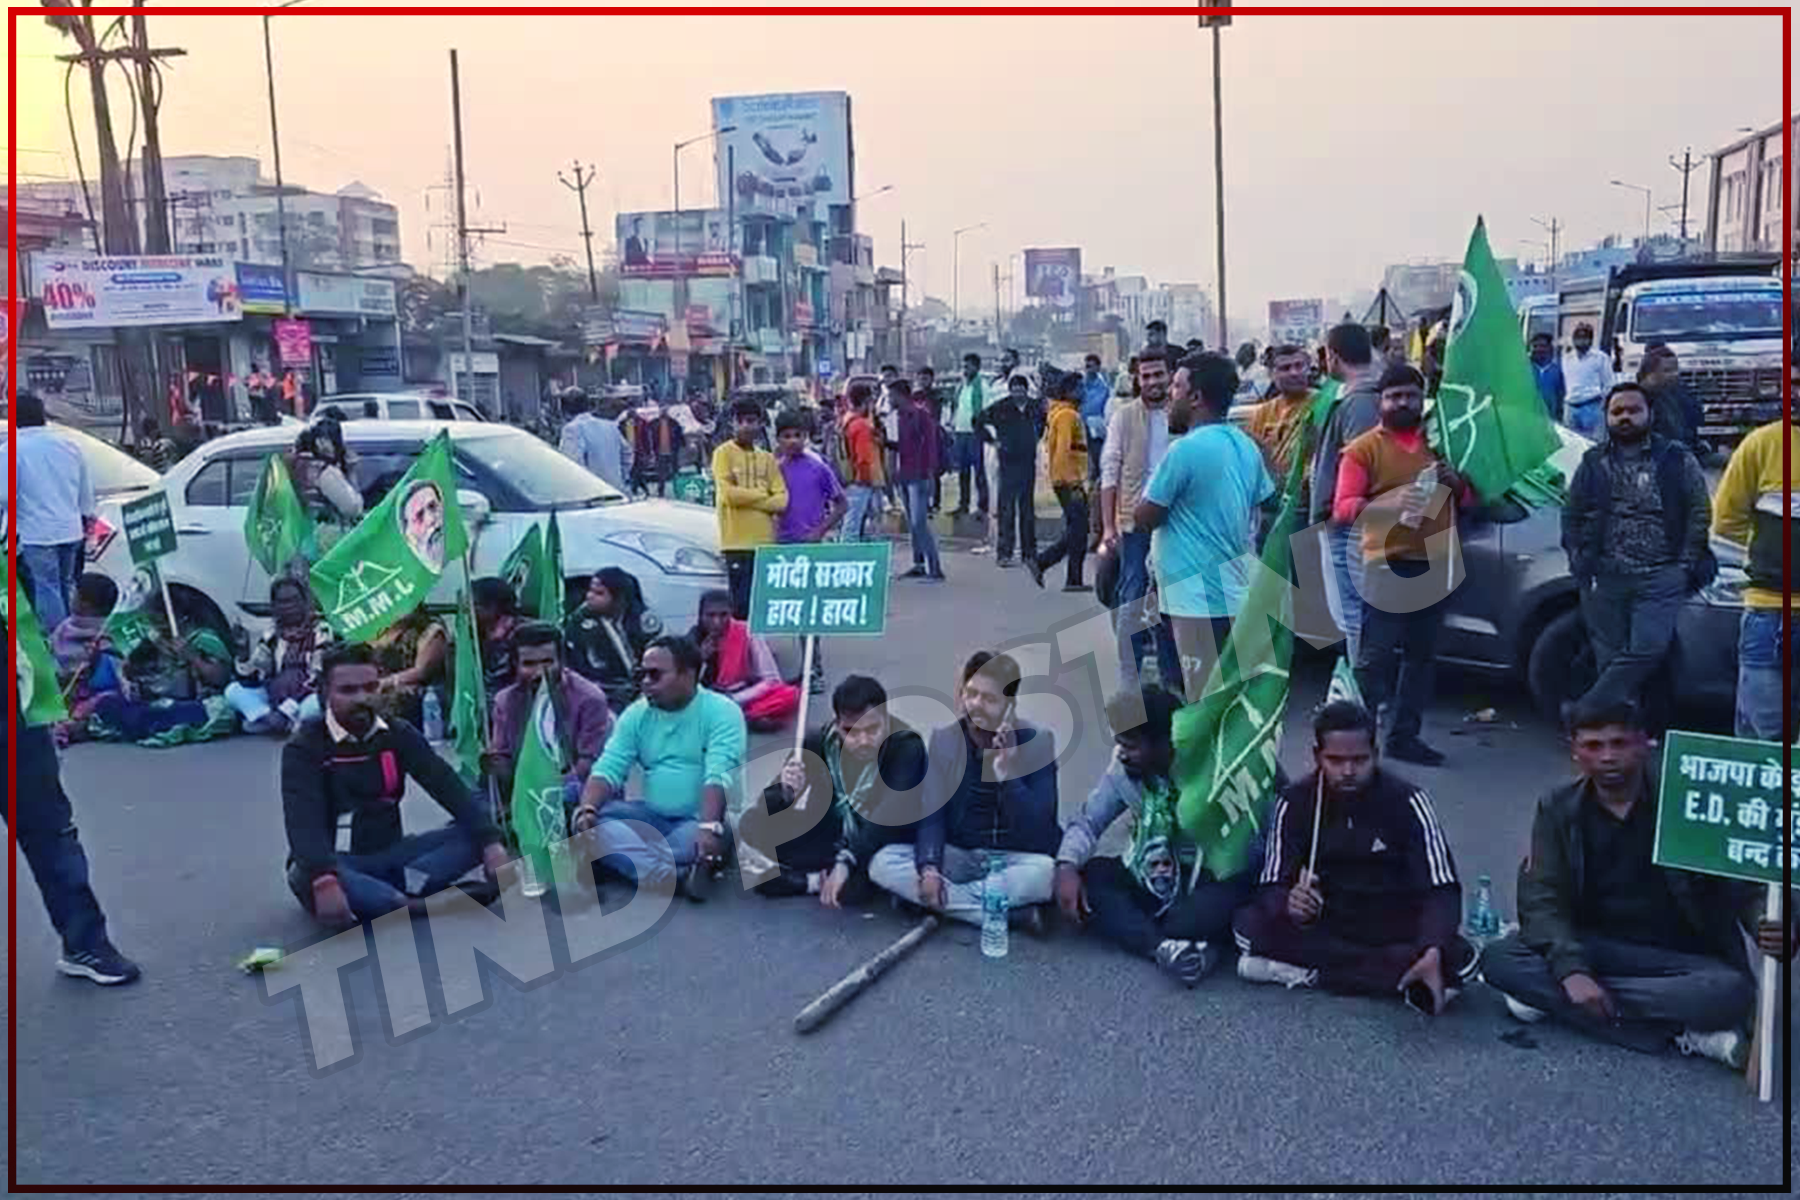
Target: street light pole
956	270
675	157
1219	182
1638	187
287	284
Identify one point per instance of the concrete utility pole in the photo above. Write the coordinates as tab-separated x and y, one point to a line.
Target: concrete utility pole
956	270
999	337
1554	228
462	236
1216	23
1687	166
580	187
905	247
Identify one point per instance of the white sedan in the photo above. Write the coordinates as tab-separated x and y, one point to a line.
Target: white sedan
507	481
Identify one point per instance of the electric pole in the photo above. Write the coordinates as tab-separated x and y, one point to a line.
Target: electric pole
999	338
1216	23
462	237
1687	166
905	247
580	187
1554	228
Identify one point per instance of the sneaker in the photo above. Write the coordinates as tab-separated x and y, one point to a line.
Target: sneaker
1521	1011
1254	969
1187	963
1036	572
935	577
1003	562
817	686
1412	750
105	966
917	572
1726	1046
697	881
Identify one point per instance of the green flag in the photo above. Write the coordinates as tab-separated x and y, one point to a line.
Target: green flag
1227	744
524	567
468	701
550	580
1489	422
383	569
537	792
40	696
276	526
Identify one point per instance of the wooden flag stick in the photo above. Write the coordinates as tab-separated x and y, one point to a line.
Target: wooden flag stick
1762	1057
853	984
1312	859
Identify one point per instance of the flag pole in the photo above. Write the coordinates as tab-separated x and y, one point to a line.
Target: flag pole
1312	859
806	671
1763	1065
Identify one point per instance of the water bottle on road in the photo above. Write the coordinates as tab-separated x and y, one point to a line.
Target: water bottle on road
993	908
433	717
1484	922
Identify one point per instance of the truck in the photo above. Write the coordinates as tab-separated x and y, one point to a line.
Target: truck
1722	318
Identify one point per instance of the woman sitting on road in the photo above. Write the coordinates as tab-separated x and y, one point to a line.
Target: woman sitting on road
410	654
172	686
607	635
741	665
496	616
276	686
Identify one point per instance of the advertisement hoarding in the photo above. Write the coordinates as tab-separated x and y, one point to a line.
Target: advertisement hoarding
260	289
179	289
692	242
345	295
789	152
1296	322
1053	276
631	326
293	341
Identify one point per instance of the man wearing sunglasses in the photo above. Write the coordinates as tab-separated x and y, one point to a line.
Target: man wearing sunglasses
689	742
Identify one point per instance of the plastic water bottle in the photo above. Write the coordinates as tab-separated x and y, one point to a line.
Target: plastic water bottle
532	883
434	716
1484	922
993	908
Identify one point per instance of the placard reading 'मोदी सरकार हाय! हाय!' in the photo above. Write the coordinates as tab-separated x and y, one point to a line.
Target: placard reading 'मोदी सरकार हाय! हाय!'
832	589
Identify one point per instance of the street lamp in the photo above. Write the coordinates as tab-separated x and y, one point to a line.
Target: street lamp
956	269
886	187
1638	187
675	158
287	284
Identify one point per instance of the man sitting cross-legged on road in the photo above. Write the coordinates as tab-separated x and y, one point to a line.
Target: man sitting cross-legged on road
1379	912
1611	943
861	774
1159	901
583	719
990	788
689	743
348	760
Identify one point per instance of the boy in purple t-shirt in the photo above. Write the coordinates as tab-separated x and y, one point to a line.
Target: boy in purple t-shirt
816	501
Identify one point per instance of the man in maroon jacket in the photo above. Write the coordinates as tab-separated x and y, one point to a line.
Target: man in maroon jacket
1377	910
917	465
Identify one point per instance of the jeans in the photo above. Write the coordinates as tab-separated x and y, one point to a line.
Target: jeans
1399	657
1072	545
740	570
252	704
1017	511
1587	418
1130	617
656	862
1030	878
918	516
862	504
1630	620
1125	914
47	835
1759	695
1343	586
53	571
1200	641
968	457
139	719
1658	993
418	865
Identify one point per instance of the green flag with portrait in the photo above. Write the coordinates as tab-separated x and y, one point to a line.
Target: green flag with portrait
386	566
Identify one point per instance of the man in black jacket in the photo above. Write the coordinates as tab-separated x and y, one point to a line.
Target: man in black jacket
1015	422
1635	530
348	760
861	773
1610	943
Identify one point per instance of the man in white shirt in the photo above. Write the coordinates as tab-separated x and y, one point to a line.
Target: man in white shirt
595	442
1587	378
56	502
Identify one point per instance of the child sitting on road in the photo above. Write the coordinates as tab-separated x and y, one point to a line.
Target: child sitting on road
86	664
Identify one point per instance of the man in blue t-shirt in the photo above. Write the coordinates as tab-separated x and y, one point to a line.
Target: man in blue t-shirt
1201	505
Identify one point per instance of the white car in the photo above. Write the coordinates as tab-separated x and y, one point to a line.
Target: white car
397	406
507	481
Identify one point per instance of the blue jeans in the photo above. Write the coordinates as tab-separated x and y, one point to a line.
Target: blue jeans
862	504
918	517
1759	695
47	835
1587	418
379	883
1630	620
1343	591
655	863
53	571
1134	585
967	457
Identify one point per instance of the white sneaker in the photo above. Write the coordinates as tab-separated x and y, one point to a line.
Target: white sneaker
1521	1011
1726	1046
1253	969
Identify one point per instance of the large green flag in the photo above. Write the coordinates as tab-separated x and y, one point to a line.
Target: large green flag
276	526
537	792
524	567
40	696
468	700
1489	421
383	569
550	582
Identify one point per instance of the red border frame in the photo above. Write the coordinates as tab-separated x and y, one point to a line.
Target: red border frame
11	534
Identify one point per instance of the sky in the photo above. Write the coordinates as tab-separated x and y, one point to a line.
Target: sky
1350	142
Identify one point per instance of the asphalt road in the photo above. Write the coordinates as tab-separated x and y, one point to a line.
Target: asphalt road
672	1062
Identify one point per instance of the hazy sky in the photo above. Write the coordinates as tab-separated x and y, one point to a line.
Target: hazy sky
1350	142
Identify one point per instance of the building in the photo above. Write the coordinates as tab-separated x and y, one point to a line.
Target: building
1744	192
1190	313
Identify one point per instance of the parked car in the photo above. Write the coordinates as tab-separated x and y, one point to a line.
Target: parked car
507	480
397	406
116	475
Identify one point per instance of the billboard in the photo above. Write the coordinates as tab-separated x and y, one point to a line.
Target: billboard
1300	322
787	153
695	241
1053	276
260	289
178	289
346	295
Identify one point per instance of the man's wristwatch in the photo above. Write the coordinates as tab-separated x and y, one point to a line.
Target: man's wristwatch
716	828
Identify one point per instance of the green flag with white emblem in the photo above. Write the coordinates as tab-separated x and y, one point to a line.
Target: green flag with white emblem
1488	420
40	697
537	793
550	581
276	526
468	697
524	567
385	567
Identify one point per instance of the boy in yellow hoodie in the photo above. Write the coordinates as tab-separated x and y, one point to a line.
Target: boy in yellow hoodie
1065	446
750	493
